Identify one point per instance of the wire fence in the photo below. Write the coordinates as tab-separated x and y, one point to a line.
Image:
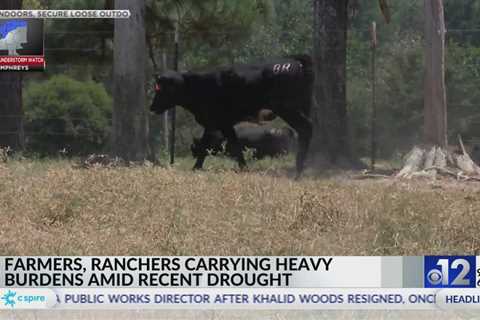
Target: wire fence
399	77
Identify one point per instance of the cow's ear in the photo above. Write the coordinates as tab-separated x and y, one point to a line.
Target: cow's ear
158	81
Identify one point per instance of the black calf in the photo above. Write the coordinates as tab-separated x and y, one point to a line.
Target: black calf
265	141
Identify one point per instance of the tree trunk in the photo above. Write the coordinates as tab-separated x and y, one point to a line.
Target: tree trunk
434	158
130	121
11	107
435	100
330	54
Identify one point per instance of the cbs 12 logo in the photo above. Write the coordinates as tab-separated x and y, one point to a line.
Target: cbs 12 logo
450	271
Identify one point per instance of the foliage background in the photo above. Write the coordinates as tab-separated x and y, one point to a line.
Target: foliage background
219	32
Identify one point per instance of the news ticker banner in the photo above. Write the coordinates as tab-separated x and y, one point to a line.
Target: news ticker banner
65	14
330	283
22	34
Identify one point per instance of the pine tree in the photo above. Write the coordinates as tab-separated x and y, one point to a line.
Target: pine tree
433	157
331	21
130	122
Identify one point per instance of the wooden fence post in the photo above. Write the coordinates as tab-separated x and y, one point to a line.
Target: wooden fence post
373	146
173	116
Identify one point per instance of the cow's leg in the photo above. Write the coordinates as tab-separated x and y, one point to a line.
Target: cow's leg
203	145
234	146
303	126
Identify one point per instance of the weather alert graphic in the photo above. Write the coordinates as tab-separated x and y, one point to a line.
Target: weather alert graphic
21	45
13	34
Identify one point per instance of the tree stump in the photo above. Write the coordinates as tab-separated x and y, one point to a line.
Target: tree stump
432	161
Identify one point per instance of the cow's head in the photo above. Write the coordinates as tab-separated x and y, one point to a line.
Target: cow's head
168	91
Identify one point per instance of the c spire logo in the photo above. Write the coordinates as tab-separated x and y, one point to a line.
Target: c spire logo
9	298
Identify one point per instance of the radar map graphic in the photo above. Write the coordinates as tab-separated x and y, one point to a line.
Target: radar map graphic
13	34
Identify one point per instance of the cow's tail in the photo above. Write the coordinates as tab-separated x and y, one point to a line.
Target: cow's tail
309	77
307	64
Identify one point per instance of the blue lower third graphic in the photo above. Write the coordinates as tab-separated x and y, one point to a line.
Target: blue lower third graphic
450	271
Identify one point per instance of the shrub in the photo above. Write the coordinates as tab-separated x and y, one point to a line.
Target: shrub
63	113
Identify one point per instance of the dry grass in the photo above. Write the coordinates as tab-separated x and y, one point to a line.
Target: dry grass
50	208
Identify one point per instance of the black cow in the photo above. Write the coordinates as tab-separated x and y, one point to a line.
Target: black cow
222	98
265	141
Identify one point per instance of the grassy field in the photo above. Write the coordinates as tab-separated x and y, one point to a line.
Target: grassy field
53	208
